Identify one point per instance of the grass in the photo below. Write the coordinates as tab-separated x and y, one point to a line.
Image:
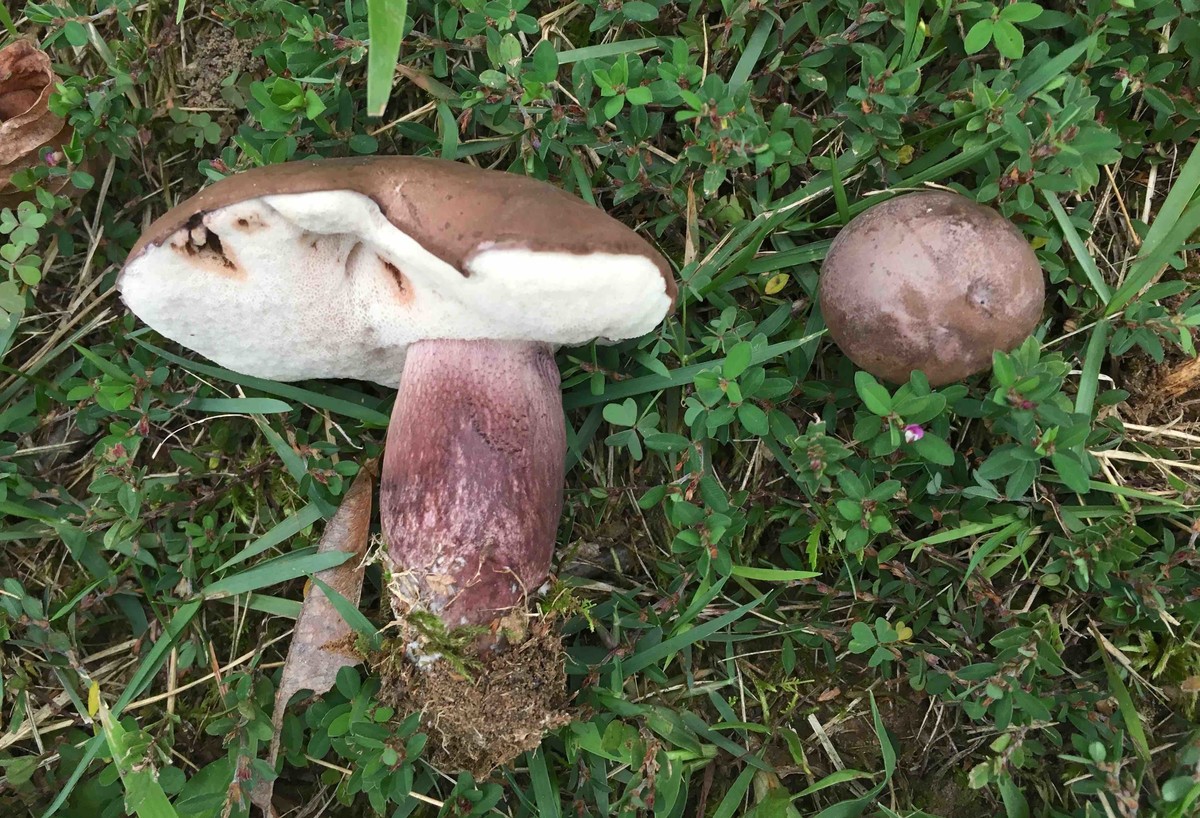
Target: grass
1013	631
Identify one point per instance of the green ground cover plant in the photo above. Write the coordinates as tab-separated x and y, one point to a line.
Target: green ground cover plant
775	601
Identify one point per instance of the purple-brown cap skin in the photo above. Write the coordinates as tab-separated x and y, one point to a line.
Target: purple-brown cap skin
930	281
452	209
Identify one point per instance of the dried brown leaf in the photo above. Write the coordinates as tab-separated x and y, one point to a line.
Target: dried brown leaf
1182	379
26	123
323	643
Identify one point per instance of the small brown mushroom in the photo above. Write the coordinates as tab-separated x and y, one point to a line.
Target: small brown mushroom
930	281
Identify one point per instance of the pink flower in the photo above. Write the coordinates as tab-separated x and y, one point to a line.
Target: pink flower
913	432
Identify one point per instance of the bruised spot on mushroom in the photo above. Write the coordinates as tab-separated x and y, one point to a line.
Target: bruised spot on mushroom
205	249
979	294
404	293
250	223
311	239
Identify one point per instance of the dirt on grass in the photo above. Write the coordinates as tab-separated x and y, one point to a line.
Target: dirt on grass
1161	394
219	53
483	719
1168	392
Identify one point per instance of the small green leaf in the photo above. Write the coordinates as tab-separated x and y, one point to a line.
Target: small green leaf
639	95
754	420
639	11
1009	41
613	106
714	177
1071	471
737	360
862	638
621	414
978	37
873	394
935	450
1002	368
1021	12
545	62
75	33
850	510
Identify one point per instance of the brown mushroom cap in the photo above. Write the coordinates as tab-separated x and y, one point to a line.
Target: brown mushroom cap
333	267
930	281
452	209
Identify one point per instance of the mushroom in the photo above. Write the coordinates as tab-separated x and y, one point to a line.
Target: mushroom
452	282
930	281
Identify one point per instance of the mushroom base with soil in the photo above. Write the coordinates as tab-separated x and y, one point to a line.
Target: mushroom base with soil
485	716
470	499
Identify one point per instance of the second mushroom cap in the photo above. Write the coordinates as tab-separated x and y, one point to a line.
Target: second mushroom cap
930	281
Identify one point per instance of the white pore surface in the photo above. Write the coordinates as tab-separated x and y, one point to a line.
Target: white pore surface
307	294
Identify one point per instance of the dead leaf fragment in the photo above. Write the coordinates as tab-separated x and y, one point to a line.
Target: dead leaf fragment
322	643
1182	379
26	123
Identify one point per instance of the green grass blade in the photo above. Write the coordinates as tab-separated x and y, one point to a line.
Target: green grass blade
771	574
912	19
545	794
962	532
752	53
90	751
292	461
355	618
1181	195
287	529
839	194
620	390
669	647
1078	248
833	779
336	406
265	603
1129	712
240	406
143	795
157	655
731	803
1089	377
385	27
7	20
273	572
594	52
1155	256
1051	69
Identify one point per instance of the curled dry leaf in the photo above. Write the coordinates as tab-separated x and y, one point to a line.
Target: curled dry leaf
323	643
26	123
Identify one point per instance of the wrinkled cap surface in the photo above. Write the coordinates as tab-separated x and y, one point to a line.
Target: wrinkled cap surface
331	268
930	281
